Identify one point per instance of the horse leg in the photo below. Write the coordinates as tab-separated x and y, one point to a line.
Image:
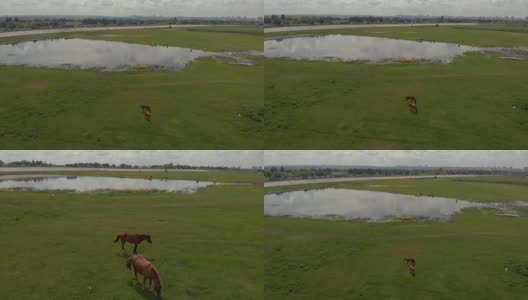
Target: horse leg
412	271
135	248
144	280
150	282
123	245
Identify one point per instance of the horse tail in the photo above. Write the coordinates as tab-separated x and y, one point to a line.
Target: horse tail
117	238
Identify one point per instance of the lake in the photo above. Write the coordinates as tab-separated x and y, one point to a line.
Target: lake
349	48
349	204
97	183
89	54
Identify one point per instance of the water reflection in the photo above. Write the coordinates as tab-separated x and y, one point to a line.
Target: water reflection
78	53
353	204
93	183
362	48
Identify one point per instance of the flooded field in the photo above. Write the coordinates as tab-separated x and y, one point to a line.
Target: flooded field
352	204
96	183
350	48
89	54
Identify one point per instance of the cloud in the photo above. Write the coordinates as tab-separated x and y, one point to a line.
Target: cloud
229	158
394	158
517	8
167	8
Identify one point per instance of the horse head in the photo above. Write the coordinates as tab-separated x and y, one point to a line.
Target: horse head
147	237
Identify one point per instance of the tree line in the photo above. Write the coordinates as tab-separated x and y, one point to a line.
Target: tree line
282	173
289	20
171	166
26	23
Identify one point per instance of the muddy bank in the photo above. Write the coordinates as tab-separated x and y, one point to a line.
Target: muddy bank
322	27
347	179
50	31
28	176
65	169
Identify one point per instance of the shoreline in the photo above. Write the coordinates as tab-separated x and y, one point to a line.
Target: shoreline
322	27
348	179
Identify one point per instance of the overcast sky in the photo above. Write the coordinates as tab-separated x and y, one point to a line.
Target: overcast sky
245	159
167	8
392	158
518	8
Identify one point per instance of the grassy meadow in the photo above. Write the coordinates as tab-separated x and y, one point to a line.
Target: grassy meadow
476	102
208	38
475	255
206	245
478	188
209	105
480	35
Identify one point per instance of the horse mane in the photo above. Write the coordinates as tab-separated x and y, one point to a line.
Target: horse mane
157	277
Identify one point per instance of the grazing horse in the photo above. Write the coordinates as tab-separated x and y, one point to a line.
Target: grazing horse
411	103
411	265
147	111
147	269
133	239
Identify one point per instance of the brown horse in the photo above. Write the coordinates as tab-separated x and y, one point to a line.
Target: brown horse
411	265
411	103
147	111
147	269
133	239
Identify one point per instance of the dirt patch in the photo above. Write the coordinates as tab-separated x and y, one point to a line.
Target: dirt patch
281	124
523	107
519	268
254	114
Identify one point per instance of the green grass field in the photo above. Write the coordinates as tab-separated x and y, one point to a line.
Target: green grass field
476	255
209	38
206	245
477	102
208	105
478	188
481	35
